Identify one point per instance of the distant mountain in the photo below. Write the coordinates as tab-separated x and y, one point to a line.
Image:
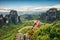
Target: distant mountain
4	13
24	12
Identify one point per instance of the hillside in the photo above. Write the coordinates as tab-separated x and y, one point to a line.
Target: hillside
44	32
8	32
47	31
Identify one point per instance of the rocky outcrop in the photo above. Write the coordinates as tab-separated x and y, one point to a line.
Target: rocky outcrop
20	36
14	16
51	15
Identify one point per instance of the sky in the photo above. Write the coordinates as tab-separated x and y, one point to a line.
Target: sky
24	5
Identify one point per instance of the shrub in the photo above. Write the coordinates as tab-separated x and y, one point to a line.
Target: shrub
44	37
55	38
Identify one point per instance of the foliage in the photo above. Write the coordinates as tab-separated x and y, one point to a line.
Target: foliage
47	32
55	38
45	37
9	32
44	32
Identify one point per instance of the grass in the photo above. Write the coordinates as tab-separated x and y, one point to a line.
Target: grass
8	33
24	29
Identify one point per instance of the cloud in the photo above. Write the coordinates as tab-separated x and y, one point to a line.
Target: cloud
47	7
31	8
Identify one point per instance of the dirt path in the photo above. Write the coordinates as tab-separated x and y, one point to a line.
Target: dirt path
24	29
